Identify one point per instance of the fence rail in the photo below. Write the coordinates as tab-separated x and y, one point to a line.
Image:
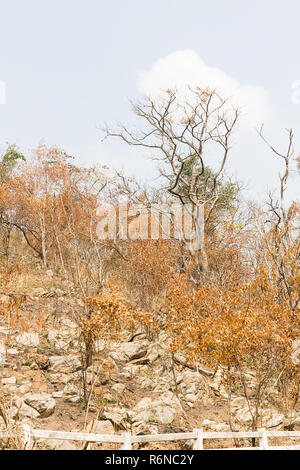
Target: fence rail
126	440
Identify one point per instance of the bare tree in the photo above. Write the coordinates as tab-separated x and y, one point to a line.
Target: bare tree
280	236
189	137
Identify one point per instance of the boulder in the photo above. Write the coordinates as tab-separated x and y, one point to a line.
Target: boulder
243	415
190	397
118	388
118	417
71	393
161	410
141	428
13	352
23	411
41	402
5	299
70	325
60	338
135	350
28	339
25	388
64	364
60	378
272	418
9	381
101	427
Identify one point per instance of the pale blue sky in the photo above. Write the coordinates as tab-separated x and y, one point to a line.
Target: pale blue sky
69	65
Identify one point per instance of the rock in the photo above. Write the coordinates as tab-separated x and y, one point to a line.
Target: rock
141	428
161	410
23	389
272	418
55	444
153	354
216	385
140	362
145	382
99	345
13	352
118	417
191	389
65	364
60	338
60	378
57	394
208	423
135	350
2	353
101	427
189	378
190	397
5	299
70	325
5	331
23	410
72	393
238	402
28	339
118	388
9	381
221	427
243	415
41	402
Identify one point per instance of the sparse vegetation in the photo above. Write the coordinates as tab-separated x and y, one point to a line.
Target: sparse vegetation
227	312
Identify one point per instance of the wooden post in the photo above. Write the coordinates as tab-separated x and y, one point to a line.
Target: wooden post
263	439
127	441
198	442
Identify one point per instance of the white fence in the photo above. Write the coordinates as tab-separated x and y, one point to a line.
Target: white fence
126	440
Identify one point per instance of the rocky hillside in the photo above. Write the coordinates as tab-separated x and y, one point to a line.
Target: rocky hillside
133	385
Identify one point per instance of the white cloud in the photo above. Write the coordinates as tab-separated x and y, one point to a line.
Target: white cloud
183	68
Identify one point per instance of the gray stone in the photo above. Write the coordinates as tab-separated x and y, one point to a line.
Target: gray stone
9	381
28	339
64	364
118	417
25	388
191	397
135	350
272	418
208	423
162	410
118	388
71	393
13	352
24	411
101	427
60	338
5	299
41	402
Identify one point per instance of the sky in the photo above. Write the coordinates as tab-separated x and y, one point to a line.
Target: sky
68	66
